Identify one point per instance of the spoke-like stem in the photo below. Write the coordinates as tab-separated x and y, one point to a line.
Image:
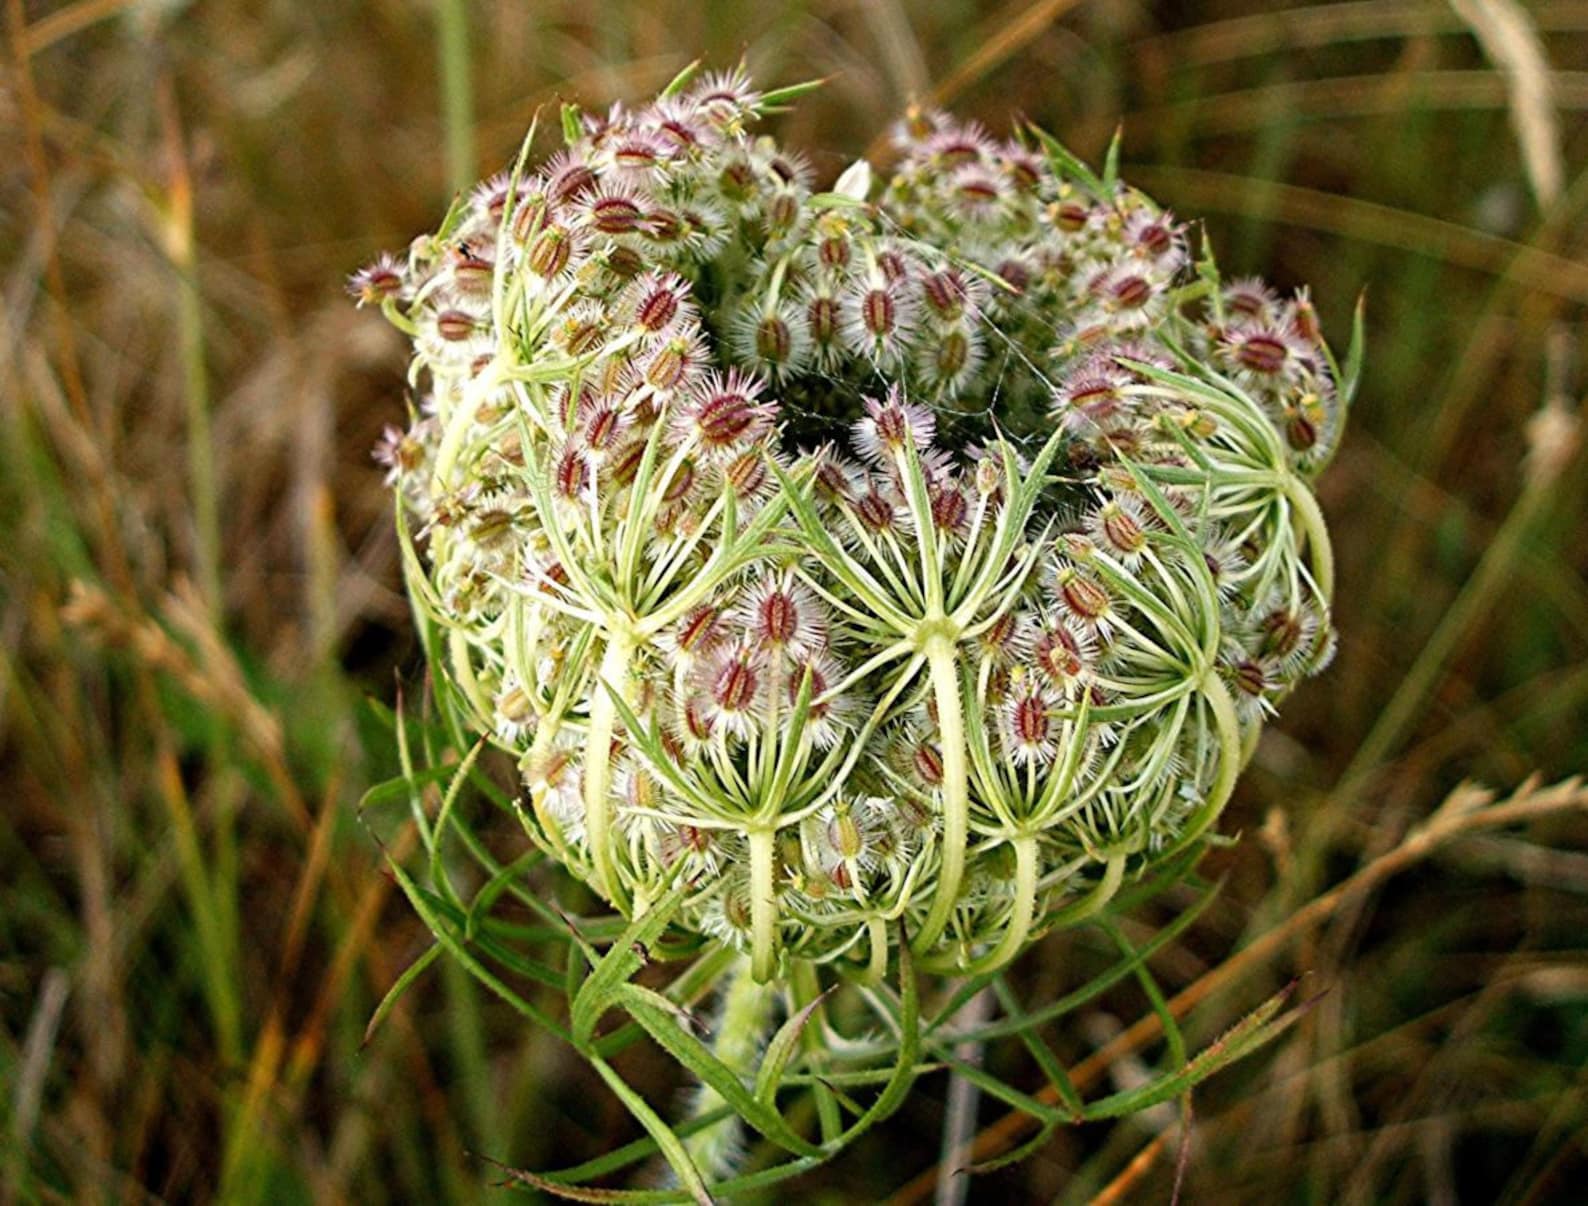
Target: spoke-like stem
1095	901
1231	758
613	676
1317	532
1021	912
463	674
944	668
877	935
763	903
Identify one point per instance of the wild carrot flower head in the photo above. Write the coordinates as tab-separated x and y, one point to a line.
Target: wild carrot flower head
922	554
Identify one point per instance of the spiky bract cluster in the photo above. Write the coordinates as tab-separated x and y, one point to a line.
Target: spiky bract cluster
922	562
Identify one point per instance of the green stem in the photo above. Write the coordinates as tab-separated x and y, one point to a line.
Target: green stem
1231	759
1021	912
613	675
1317	532
458	649
741	1029
1095	901
944	668
763	904
457	94
877	937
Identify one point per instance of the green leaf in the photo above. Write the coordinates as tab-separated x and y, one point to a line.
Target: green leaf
671	1146
582	1193
1023	495
1006	1093
1072	1001
1111	159
1040	1052
1351	376
681	81
918	499
401	985
504	879
623	1157
647	739
1251	1032
1029	1148
659	1017
781	96
836	558
793	752
485	942
459	951
1149	985
399	787
1208	271
452	219
599	991
746	1184
438	873
906	1067
1064	163
572	125
781	1049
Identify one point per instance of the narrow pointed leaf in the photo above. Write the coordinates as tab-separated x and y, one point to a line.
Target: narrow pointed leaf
657	1015
672	1147
400	986
681	81
598	992
1065	164
781	1049
1251	1032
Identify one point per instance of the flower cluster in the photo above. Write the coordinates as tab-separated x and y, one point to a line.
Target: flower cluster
929	553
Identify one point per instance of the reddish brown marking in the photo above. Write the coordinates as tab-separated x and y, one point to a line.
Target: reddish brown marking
454	325
1262	353
877	312
550	252
658	308
735	684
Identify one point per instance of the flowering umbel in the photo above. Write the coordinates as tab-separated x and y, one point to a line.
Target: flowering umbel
920	559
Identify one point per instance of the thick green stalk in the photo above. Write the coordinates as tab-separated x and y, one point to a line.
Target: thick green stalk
944	668
1095	901
741	1029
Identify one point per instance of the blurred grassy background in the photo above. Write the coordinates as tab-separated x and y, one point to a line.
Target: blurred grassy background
199	589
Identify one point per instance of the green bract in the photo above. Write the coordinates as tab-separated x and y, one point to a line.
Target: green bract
912	558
